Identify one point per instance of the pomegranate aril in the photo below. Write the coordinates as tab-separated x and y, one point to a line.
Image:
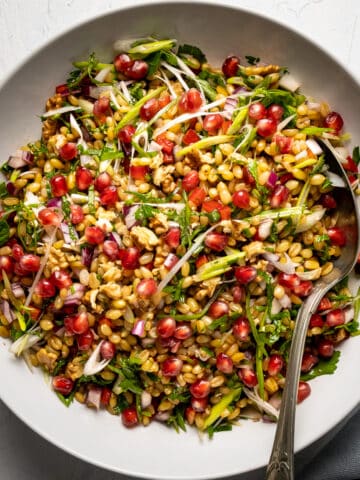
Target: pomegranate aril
334	120
165	327
171	367
276	364
48	216
138	70
105	396
279	195
248	179
80	323
62	384
216	241
308	362
76	214
266	127
122	62
45	288
6	264
197	196
182	331
201	260
248	377
257	111
304	391
304	289
149	109
212	122
199	404
111	249
328	201
85	340
335	317
109	196
129	417
172	237
126	133
190	415
224	363
146	287
29	263
190	101
230	66
284	144
190	137
245	274
94	235
289	280
238	293
102	109
325	304
58	186
83	178
218	309
68	151
337	236
130	258
275	112
200	388
107	350
190	181
17	251
138	172
316	320
170	261
325	348
241	329
61	279
241	199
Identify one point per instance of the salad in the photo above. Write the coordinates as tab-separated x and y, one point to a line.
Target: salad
158	240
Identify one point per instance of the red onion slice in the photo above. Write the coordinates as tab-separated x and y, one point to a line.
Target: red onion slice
139	328
87	254
6	310
272	179
93	397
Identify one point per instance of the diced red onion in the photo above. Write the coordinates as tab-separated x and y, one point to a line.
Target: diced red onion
229	106
147	342
275	306
129	213
60	332
93	397
54	202
264	228
116	238
289	82
154	147
87	254
100	77
310	275
170	261
314	146
66	233
275	400
285	301
17	290
349	313
288	267
20	159
263	406
6	310
75	298
162	416
139	328
336	180
308	221
250	413
272	179
146	399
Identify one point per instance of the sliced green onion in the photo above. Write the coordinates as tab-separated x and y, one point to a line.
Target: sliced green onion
217	267
238	121
219	408
145	49
273	214
206	142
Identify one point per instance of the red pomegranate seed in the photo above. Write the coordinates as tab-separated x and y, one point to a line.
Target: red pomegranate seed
284	144
245	274
149	109
316	320
337	236
172	237
275	112
190	181
238	293
241	199
190	101
138	70
105	396
85	340
224	363
80	323
257	111
167	146
190	415
212	123
308	362
247	177
83	178
304	289
328	201
168	158
106	321
266	127
6	264
68	151
171	367
200	388
325	348
216	241
241	329
29	263
199	404
334	120
165	327
62	90
190	137
58	185
335	317
107	350
17	251
170	261
288	280
62	384
201	260
48	216
61	279
325	304
138	172
197	196
76	214
109	196
45	288
304	391
122	62
279	195
218	309
276	364
129	417
182	331
248	377
126	133
130	258
68	324
146	287
94	235
102	109
212	205
111	249
230	66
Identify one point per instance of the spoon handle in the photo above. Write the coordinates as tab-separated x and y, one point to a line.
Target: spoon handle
281	463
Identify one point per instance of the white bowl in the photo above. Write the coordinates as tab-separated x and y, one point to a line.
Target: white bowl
158	452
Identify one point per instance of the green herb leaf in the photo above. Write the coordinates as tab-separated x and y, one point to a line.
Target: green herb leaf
324	367
177	419
193	51
4	232
219	407
356	155
252	60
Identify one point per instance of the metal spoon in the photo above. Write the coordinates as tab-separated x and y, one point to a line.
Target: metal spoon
281	463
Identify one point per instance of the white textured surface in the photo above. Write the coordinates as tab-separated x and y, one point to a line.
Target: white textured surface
27	24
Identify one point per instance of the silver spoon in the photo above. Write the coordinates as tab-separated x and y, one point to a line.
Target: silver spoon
281	463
